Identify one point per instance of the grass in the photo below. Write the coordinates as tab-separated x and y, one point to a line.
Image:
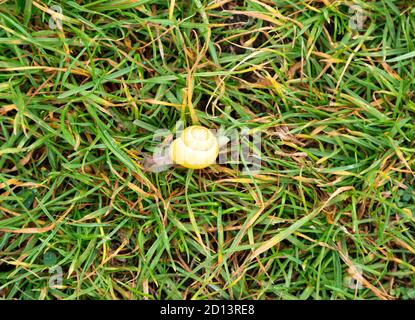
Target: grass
335	108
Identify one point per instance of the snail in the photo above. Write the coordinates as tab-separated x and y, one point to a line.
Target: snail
196	148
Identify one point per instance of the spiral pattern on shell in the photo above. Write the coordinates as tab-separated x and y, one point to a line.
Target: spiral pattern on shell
196	148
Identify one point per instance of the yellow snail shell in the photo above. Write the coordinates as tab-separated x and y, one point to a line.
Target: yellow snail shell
196	148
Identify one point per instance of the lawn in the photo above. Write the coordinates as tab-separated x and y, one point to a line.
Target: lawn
328	87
